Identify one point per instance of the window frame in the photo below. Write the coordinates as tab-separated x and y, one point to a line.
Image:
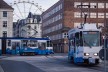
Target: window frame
5	13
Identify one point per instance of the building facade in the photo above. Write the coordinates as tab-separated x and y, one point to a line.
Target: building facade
6	23
67	14
29	27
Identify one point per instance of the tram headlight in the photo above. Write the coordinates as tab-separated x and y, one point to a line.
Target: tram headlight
86	54
95	54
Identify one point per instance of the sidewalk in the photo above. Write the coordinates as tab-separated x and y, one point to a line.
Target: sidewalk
60	54
104	65
4	56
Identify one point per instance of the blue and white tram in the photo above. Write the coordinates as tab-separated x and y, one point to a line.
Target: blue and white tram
84	44
28	46
41	46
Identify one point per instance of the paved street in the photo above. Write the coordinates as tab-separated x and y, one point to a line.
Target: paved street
52	63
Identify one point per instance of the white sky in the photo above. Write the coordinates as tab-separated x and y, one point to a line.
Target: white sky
44	3
21	14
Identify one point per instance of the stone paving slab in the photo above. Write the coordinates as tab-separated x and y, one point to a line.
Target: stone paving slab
3	57
1	69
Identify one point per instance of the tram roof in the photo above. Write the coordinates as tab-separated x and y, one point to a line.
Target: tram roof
85	27
22	38
78	30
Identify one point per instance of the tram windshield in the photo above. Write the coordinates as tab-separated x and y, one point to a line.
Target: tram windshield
91	38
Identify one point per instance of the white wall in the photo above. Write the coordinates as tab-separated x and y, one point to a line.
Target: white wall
9	20
38	29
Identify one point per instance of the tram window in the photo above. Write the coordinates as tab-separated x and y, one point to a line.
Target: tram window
72	42
77	35
101	39
9	42
72	36
106	43
17	44
81	40
49	43
24	45
77	39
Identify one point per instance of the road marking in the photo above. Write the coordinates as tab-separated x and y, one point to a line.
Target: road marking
1	69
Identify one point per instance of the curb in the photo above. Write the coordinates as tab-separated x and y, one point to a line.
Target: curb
3	57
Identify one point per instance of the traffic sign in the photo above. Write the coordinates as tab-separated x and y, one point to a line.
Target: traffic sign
101	54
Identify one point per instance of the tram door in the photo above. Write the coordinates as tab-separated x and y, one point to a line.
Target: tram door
16	44
4	46
42	44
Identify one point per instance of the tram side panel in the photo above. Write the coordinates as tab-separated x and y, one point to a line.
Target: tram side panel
27	47
75	50
40	49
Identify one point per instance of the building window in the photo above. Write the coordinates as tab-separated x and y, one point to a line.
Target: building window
28	27
60	26
4	13
85	5
61	6
65	35
106	5
100	24
61	15
53	19
76	4
93	5
57	8
100	15
100	5
77	15
35	27
56	18
4	23
76	25
106	15
85	13
4	33
92	15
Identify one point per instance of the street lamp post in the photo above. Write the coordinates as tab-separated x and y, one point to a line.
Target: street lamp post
104	55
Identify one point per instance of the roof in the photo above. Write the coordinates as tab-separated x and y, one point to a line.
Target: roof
23	38
30	15
4	5
34	16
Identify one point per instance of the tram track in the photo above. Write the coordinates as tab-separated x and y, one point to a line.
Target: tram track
98	68
55	58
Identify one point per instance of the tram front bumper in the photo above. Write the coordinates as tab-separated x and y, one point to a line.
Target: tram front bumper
91	61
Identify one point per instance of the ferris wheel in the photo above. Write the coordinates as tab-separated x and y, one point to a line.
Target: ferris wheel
23	8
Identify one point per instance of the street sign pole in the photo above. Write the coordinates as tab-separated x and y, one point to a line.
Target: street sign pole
104	56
